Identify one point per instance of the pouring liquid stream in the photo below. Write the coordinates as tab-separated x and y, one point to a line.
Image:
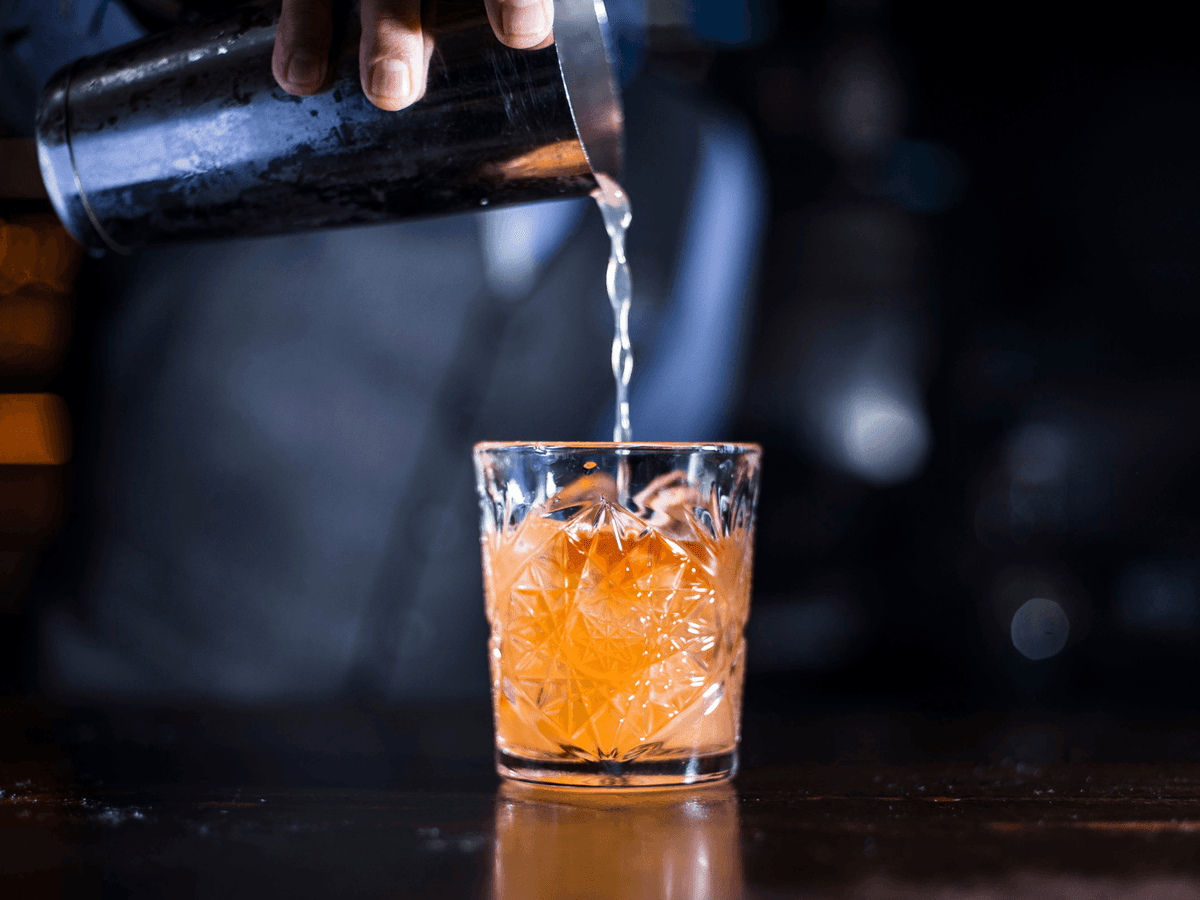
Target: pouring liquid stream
614	208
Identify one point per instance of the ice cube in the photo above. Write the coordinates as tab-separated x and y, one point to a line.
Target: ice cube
667	505
585	491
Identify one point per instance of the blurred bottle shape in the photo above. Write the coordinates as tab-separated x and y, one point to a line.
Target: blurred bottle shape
554	843
850	354
38	264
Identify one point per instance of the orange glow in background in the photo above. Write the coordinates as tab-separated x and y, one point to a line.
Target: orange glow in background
37	250
35	430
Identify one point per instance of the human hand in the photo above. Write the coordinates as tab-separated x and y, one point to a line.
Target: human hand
393	56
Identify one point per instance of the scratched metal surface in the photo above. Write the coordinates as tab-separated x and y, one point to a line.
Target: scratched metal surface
185	134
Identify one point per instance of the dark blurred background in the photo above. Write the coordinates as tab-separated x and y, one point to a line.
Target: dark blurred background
974	373
968	354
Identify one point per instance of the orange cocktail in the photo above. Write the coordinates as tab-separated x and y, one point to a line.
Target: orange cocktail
617	595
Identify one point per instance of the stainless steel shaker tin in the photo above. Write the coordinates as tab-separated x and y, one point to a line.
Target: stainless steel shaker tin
185	134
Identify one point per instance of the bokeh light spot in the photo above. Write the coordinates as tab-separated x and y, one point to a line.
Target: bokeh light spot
1040	628
884	439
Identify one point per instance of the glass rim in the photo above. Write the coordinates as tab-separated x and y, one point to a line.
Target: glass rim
608	446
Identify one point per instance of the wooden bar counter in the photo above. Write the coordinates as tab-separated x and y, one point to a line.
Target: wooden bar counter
373	801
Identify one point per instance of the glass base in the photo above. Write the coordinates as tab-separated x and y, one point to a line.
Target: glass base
654	773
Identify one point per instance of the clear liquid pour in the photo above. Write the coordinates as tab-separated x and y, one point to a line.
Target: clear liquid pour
615	209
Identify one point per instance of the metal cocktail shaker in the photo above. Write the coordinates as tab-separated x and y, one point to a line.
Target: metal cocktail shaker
186	135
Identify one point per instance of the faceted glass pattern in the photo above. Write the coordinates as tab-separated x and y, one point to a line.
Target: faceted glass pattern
617	580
